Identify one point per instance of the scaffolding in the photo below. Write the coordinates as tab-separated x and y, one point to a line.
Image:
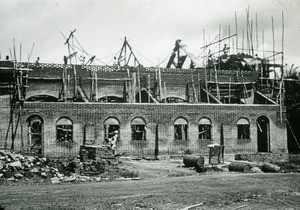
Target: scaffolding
13	82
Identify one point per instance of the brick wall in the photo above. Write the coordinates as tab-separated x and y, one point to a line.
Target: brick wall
162	114
175	79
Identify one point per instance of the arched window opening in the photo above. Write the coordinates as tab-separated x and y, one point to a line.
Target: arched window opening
180	129
204	129
111	125
35	134
64	130
243	129
42	98
138	129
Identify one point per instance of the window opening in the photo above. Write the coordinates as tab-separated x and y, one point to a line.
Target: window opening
138	131
64	130
204	128
111	125
180	129
243	128
35	126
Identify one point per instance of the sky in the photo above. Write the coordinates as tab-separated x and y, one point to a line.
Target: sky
151	26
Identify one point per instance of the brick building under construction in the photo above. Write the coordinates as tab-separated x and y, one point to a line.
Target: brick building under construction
53	109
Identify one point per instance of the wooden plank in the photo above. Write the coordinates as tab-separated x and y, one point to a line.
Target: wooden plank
45	78
212	96
111	79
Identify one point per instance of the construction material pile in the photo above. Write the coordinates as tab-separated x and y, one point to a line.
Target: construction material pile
21	168
245	166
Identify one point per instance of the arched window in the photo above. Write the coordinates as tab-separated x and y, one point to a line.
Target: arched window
110	126
89	134
180	129
138	131
204	129
35	134
64	130
243	129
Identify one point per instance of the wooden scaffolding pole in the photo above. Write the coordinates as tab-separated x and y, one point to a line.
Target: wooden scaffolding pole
229	90
194	90
134	86
205	70
160	85
243	41
236	31
139	85
273	36
130	98
149	88
282	70
256	32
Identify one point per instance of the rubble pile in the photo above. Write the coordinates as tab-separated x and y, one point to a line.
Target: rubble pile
97	160
17	167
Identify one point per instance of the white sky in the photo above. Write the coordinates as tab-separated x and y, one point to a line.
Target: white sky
152	26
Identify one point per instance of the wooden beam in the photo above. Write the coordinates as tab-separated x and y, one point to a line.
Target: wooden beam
232	83
150	96
213	97
133	87
45	78
265	97
111	79
82	94
148	88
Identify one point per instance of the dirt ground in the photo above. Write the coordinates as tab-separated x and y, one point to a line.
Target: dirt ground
164	184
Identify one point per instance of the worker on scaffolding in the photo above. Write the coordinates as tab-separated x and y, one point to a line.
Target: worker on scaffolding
113	141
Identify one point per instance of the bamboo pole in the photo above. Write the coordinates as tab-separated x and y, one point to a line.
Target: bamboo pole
229	98
20	53
10	53
263	42
92	85
217	85
251	37
243	42
96	85
21	126
165	88
194	90
256	32
198	83
160	85
205	70
130	98
148	88
139	85
15	56
125	53
273	39
64	83
134	86
229	34
282	64
236	31
220	28
247	24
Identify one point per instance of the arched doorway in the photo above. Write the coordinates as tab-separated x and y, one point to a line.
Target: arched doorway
263	134
35	135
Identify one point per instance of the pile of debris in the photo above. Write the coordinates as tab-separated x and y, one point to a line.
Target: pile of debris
17	167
